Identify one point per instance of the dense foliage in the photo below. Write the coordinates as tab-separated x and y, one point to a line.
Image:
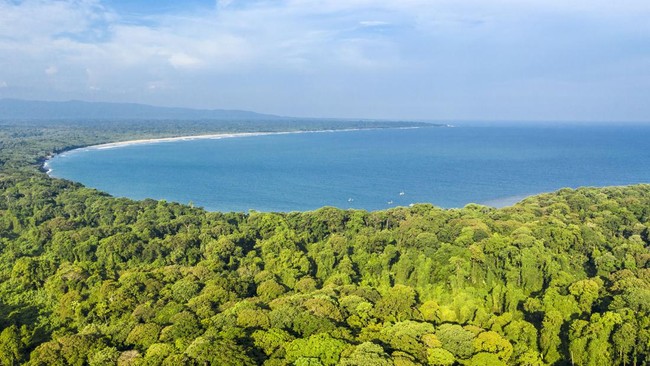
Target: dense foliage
561	278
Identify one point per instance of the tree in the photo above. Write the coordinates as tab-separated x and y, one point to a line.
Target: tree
11	346
408	337
440	357
366	354
397	304
320	346
457	340
157	353
625	339
486	359
585	292
550	341
269	290
218	351
492	342
272	340
104	357
143	335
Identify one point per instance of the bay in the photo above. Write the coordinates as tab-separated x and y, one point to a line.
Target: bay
368	169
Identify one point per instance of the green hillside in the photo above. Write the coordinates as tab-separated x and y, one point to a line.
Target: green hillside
87	279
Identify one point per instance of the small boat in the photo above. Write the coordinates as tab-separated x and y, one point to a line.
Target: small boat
390	202
350	199
401	193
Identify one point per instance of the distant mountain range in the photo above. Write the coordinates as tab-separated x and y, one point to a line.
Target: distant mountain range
38	110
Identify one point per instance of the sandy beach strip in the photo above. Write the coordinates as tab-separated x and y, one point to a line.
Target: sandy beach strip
112	145
218	136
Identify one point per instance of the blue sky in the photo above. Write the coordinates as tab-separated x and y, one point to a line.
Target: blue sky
407	59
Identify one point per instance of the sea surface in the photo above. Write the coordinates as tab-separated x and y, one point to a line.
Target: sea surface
495	165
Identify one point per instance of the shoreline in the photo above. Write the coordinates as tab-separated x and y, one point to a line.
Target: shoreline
112	145
44	166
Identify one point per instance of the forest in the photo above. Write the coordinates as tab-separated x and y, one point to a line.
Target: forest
88	279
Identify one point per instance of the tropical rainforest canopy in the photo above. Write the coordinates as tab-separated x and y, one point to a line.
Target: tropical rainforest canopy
88	279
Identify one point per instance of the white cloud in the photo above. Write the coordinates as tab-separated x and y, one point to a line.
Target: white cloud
3	84
182	60
373	23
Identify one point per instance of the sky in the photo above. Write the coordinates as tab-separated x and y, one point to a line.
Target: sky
532	60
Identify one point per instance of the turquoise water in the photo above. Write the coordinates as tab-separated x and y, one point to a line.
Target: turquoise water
370	169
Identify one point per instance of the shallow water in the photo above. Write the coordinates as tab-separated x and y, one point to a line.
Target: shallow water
370	169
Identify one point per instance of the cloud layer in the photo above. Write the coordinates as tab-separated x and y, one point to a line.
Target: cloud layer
460	59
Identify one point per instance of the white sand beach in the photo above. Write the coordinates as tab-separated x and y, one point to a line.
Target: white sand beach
223	136
180	138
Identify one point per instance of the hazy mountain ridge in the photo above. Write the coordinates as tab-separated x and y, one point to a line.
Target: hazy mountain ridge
75	109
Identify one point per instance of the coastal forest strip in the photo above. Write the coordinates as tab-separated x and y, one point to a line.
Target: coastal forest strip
87	279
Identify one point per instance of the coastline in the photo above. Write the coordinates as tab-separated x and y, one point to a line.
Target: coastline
112	145
219	136
44	166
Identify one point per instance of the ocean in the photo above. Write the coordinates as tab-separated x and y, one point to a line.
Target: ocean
495	165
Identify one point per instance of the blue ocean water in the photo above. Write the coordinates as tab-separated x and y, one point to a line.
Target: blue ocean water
368	169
